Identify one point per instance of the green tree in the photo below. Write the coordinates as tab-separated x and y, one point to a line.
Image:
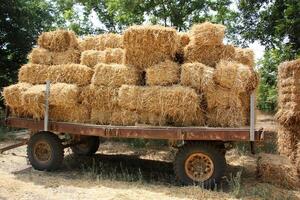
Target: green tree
21	21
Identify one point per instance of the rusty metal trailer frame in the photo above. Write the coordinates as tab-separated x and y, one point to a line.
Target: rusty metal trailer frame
147	132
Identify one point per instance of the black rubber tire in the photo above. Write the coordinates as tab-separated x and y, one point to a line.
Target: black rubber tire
57	151
217	157
92	146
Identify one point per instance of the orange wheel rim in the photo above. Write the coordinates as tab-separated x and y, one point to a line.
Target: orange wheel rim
42	152
199	167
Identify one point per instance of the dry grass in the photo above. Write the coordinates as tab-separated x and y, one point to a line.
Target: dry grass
115	75
40	56
196	75
180	104
58	41
244	56
183	40
208	54
149	45
68	73
235	76
277	170
77	113
164	73
207	34
101	42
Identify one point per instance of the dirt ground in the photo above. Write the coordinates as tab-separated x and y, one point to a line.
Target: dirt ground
119	171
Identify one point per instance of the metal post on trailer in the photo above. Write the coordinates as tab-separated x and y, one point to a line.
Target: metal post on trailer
47	94
252	122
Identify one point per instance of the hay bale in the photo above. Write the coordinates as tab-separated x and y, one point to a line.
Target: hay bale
12	94
40	56
66	57
277	170
287	141
179	104
163	73
99	97
196	75
91	58
101	42
77	113
183	40
235	76
33	73
59	40
61	94
288	96
244	56
208	54
207	34
115	75
149	45
68	73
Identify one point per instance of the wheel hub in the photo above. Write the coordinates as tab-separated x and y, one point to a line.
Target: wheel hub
199	167
42	151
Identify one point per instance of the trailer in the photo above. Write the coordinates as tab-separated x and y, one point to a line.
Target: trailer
200	158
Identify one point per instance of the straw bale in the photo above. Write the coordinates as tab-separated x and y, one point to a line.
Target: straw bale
196	75
66	57
244	56
20	111
68	73
245	100
207	34
287	141
33	100
12	94
99	97
235	76
288	93
183	40
59	40
40	56
208	54
297	162
278	170
33	73
101	42
149	45
113	55
115	75
91	58
77	113
180	104
163	73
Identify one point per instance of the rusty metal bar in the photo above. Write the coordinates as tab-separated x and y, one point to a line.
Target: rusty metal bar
24	142
148	132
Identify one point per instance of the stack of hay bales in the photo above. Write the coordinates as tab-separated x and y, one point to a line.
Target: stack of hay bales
149	75
288	115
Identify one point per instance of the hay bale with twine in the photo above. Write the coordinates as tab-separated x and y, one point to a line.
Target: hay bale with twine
58	41
180	104
196	75
115	75
149	45
208	54
163	73
207	34
244	56
278	170
235	76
